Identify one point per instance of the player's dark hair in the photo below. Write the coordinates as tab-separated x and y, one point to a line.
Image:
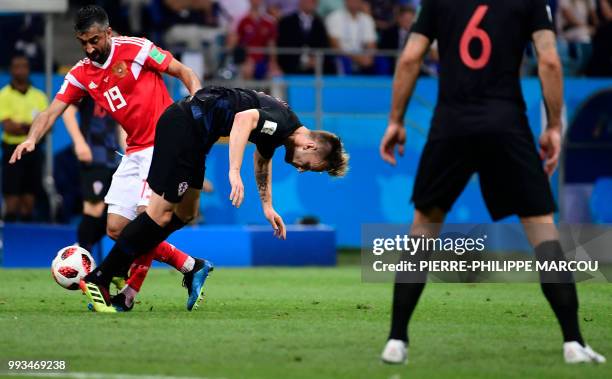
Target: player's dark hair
88	16
337	158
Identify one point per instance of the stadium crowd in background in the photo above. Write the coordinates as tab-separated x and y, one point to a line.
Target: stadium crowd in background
303	28
21	34
257	29
214	36
353	32
600	63
193	25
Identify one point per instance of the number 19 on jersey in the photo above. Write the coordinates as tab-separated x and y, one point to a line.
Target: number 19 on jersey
115	99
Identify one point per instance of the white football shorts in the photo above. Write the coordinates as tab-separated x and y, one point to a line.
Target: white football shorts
129	188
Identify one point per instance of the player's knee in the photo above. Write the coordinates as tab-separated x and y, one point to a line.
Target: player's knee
187	215
94	208
113	230
161	218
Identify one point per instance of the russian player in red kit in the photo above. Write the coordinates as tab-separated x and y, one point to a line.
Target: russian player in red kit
124	76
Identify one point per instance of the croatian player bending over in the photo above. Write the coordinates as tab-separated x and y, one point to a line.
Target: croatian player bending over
185	134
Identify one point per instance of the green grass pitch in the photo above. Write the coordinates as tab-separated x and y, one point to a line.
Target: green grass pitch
298	323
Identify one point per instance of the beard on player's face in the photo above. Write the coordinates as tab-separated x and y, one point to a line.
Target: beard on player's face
96	43
99	55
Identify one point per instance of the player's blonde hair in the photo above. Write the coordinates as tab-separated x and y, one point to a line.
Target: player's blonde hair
337	158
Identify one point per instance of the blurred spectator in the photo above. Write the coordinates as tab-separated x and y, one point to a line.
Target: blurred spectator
601	60
236	9
352	31
20	102
256	30
383	12
281	8
576	20
136	10
196	23
22	34
328	6
396	36
303	28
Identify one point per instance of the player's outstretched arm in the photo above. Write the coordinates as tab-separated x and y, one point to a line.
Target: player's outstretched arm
81	148
41	125
406	74
244	123
551	78
186	75
263	177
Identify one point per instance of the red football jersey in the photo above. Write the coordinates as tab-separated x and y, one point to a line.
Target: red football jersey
128	85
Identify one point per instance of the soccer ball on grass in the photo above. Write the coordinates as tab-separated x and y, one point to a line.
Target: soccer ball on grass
70	265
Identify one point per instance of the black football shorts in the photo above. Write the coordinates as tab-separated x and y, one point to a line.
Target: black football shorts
179	156
511	174
24	176
95	182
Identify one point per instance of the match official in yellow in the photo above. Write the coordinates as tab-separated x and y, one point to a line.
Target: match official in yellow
20	102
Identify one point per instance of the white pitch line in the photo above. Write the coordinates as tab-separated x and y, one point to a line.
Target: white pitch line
95	375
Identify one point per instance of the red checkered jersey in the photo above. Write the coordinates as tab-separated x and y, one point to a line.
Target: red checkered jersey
128	85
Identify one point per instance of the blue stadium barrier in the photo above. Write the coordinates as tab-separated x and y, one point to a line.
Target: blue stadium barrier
30	246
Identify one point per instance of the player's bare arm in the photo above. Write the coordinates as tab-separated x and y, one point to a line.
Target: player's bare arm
404	81
122	135
41	125
551	79
263	177
185	74
244	123
81	148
